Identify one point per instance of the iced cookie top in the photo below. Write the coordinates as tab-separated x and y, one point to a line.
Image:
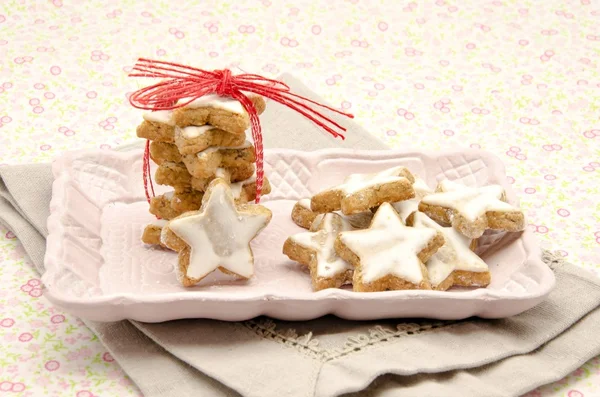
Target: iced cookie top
196	132
327	227
219	235
216	101
407	207
236	187
207	101
304	203
356	182
159	223
388	247
455	254
160	116
471	202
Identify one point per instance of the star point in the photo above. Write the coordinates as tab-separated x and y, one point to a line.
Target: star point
315	249
472	210
454	264
219	234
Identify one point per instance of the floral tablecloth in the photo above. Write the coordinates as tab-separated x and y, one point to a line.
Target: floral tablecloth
518	78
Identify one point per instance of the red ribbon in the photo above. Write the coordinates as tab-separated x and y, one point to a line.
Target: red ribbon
182	85
146	171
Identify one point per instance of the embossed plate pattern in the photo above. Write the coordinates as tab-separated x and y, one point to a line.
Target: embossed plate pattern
97	267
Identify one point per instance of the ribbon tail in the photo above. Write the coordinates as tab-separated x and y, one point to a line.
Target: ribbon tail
146	173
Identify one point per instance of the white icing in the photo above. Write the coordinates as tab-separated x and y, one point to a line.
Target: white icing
329	264
159	223
455	254
236	188
195	132
222	173
470	202
356	182
304	203
213	149
317	221
219	235
388	247
407	207
163	235
208	151
216	101
421	188
160	116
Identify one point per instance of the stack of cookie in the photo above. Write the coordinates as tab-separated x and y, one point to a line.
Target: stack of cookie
391	231
195	144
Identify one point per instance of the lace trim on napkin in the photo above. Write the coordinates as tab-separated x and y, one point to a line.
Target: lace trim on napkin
307	344
267	329
552	259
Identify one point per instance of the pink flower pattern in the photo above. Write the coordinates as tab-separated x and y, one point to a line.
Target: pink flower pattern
521	81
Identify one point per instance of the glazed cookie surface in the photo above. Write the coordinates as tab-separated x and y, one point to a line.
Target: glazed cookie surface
472	210
315	249
407	207
454	264
204	164
221	112
389	255
215	237
157	126
361	192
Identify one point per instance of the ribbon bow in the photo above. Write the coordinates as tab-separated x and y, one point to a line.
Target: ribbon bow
182	85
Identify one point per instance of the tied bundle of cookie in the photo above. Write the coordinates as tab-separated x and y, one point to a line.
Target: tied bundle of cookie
391	231
203	153
196	134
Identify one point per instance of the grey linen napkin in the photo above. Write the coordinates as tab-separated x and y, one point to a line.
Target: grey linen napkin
329	356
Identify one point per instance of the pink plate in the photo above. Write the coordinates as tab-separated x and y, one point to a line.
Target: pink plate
97	268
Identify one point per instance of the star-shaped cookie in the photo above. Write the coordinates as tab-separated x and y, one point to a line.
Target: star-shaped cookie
472	210
315	249
215	237
454	263
361	192
389	255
